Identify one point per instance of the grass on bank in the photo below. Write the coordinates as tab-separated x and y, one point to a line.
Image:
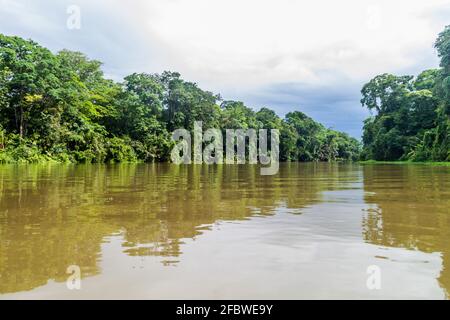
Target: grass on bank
428	163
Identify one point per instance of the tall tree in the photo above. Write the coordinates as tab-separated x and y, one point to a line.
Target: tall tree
31	82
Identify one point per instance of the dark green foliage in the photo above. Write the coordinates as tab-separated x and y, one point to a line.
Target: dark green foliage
59	107
412	114
185	103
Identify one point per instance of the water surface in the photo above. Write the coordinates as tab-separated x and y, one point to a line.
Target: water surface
159	231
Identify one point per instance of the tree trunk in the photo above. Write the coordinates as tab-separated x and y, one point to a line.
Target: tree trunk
21	122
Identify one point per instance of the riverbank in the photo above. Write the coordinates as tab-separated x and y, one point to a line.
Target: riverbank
428	163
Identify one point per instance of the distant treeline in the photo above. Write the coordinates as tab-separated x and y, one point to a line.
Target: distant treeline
60	107
412	120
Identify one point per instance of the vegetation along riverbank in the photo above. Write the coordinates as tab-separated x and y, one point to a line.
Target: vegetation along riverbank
60	107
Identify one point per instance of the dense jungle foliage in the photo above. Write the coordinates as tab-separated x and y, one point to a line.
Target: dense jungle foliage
412	114
60	107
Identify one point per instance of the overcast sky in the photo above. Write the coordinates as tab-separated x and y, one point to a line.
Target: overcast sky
311	56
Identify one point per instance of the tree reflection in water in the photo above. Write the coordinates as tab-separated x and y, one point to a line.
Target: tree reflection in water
53	216
411	210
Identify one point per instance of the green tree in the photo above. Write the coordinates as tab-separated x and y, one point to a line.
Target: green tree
186	103
31	83
308	142
140	116
412	114
441	144
60	107
236	115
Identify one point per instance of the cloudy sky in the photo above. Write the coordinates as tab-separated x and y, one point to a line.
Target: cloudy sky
312	56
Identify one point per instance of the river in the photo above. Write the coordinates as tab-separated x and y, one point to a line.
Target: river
162	231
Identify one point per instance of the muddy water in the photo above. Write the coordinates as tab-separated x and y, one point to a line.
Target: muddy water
157	231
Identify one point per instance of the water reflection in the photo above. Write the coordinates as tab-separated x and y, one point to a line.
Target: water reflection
53	216
411	210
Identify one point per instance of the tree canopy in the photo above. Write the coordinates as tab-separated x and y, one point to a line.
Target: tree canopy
60	107
411	120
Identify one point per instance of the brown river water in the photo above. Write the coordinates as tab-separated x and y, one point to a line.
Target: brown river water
162	231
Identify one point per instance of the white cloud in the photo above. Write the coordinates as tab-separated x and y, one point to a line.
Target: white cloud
256	42
248	43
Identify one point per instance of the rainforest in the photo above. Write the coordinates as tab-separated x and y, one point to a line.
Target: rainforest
215	151
60	107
